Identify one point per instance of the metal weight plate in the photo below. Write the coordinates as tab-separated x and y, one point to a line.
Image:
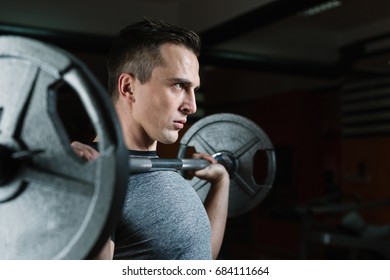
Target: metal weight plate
238	139
53	205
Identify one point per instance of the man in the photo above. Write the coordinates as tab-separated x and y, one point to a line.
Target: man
153	77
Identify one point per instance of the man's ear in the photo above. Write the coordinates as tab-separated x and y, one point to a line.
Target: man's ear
125	83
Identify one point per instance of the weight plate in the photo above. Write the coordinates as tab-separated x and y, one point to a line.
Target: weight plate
54	206
238	138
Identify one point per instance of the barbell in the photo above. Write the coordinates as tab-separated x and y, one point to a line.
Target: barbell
54	205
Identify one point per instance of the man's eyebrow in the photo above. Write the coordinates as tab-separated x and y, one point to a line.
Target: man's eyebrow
179	80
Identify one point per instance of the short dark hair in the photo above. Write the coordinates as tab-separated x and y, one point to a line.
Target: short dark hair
136	49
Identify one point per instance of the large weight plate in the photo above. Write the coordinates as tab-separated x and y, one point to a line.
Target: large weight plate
240	138
55	206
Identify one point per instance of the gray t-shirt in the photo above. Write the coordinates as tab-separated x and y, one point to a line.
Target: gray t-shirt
162	218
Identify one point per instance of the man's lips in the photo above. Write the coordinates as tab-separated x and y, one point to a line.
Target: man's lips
179	123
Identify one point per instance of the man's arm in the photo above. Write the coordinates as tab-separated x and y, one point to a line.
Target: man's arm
107	252
217	199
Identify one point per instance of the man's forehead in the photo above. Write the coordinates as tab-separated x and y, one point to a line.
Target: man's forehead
180	65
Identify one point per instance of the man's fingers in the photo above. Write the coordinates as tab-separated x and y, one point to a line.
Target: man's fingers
204	156
84	151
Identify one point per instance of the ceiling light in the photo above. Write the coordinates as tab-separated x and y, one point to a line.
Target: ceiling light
321	8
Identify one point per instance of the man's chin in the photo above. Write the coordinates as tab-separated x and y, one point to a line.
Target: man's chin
170	139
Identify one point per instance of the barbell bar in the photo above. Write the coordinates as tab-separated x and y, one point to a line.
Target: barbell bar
139	164
144	164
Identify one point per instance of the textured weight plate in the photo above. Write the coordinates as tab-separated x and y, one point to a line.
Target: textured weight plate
239	139
54	205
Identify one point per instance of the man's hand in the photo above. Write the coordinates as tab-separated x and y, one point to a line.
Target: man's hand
84	151
214	173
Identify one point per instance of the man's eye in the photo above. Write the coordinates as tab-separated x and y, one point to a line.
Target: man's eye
179	86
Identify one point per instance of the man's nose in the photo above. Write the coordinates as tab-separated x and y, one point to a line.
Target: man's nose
189	104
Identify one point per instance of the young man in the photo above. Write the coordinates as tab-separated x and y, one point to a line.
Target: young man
153	77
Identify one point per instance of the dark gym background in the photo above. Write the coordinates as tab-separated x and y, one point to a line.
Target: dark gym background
314	75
